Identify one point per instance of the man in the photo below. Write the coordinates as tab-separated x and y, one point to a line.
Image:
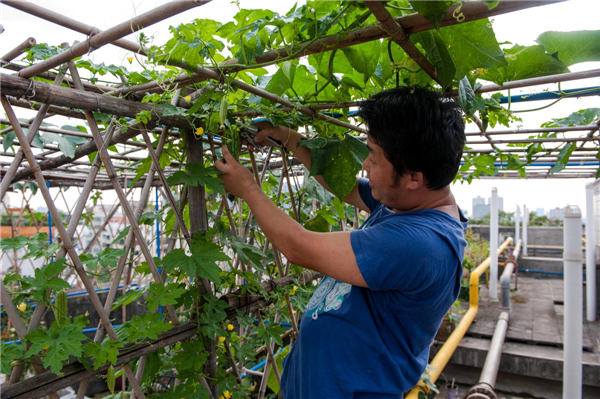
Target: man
367	329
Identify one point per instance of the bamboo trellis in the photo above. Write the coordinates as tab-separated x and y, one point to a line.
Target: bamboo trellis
80	101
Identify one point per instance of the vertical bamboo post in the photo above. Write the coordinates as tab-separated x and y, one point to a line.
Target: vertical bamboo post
110	169
199	222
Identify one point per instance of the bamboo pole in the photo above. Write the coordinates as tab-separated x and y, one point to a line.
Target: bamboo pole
40	309
17	51
69	23
412	24
33	128
396	33
67	244
63	96
106	161
13	316
95	41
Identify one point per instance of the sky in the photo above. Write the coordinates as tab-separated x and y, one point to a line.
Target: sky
522	27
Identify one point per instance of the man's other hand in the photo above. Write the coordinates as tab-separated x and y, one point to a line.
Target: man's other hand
284	135
237	179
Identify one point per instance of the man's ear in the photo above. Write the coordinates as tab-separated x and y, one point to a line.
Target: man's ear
416	180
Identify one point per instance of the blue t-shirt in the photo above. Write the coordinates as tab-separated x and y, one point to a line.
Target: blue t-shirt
357	342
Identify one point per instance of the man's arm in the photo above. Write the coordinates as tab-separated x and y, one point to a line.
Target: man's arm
327	253
291	138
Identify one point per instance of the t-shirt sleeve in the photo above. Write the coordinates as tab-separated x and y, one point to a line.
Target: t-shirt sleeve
386	255
365	194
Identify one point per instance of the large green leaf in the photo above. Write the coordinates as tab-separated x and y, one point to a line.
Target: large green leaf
320	62
437	54
524	63
338	161
67	144
572	47
364	57
282	79
473	45
434	11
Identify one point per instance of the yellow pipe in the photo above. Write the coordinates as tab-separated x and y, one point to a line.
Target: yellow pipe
447	350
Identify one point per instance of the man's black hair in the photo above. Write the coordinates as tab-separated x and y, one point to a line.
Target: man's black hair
418	131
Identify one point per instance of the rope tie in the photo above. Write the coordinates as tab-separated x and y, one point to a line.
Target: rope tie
68	247
31	88
97	102
92	33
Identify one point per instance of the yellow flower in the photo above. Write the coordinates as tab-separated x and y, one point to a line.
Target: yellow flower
22	306
130	59
222	339
46	347
294	288
187	98
199	131
230	327
226	395
293	311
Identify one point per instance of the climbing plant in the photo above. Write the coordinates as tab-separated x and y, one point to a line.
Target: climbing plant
465	55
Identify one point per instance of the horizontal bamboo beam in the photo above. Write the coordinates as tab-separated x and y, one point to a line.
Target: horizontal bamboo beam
115	33
53	110
67	22
411	23
250	303
38	386
43	92
85	149
65	132
97	88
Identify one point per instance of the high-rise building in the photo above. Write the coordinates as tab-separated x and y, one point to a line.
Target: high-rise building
481	209
556	214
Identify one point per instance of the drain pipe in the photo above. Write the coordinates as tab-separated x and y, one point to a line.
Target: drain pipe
487	380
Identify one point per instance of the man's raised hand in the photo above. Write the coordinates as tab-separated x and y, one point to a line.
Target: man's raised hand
237	179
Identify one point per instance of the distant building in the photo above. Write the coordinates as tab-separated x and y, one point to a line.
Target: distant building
481	209
556	214
540	212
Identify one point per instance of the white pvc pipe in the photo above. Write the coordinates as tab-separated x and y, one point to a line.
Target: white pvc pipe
573	319
525	224
494	245
517	224
590	253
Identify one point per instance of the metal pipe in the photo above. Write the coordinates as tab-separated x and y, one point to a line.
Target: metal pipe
492	361
590	253
517	224
443	356
494	245
525	225
509	266
573	319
